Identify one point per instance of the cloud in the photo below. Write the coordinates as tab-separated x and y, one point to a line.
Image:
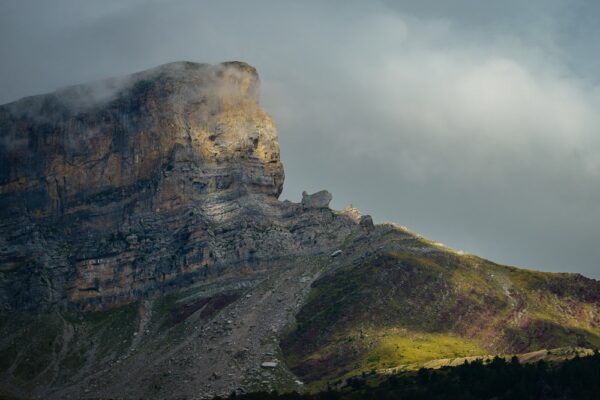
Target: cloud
455	110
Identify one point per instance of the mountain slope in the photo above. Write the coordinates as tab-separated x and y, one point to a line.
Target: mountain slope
413	301
144	253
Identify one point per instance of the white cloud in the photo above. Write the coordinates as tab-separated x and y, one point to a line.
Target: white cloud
455	109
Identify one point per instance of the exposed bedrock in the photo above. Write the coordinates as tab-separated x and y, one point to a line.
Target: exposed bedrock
114	190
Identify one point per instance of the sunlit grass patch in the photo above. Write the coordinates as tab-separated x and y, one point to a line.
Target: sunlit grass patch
414	348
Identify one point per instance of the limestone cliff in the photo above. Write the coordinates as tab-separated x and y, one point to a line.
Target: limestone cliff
113	190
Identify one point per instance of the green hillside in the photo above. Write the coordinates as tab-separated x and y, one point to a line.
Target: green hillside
416	301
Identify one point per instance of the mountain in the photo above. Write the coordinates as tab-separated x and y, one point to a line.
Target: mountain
144	253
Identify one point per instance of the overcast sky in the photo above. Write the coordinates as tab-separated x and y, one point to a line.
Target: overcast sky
473	123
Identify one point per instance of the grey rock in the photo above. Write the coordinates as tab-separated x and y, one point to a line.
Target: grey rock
366	222
320	199
336	253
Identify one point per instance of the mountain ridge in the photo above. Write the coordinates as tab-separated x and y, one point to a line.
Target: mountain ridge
144	253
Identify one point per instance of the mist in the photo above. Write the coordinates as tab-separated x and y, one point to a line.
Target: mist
473	124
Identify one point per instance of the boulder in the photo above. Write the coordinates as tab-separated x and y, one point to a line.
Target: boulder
269	364
320	199
366	222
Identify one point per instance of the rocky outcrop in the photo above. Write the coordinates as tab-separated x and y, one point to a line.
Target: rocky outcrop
183	131
366	221
320	199
125	187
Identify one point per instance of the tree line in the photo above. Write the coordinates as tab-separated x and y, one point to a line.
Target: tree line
578	378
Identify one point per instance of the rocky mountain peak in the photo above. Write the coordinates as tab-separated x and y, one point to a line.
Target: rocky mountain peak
115	190
190	131
180	145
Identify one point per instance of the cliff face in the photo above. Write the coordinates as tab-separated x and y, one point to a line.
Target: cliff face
190	132
117	189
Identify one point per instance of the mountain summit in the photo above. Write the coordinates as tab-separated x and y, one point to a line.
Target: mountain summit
96	176
144	253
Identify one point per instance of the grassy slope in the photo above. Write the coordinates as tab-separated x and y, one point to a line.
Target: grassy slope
418	302
51	349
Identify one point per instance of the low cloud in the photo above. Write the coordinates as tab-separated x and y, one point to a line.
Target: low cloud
468	113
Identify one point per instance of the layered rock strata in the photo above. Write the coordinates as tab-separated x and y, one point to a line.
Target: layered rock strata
122	188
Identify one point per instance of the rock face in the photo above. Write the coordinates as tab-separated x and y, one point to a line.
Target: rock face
117	189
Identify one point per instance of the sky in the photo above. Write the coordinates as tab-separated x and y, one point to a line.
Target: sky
473	123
